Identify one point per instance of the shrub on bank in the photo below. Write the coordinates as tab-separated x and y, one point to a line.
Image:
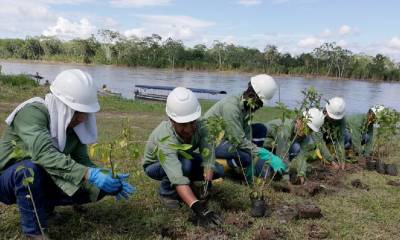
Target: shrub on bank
17	80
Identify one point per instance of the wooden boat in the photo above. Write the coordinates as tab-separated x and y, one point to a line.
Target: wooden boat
160	93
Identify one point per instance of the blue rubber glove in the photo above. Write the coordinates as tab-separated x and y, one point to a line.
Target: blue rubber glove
127	189
104	181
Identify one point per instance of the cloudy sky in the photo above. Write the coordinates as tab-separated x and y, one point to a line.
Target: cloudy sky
295	26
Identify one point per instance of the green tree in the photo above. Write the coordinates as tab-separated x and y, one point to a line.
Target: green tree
51	46
271	56
174	50
32	49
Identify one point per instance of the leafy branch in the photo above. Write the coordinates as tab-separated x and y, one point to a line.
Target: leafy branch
124	143
159	154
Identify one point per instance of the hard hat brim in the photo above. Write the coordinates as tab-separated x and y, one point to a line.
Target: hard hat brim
92	108
186	119
336	117
331	115
312	127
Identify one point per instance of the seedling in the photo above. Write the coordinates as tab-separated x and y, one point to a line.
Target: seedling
123	144
332	132
27	181
159	154
387	124
311	99
216	130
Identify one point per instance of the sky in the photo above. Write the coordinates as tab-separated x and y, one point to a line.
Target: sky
294	26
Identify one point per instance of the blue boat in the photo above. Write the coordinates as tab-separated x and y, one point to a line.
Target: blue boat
160	93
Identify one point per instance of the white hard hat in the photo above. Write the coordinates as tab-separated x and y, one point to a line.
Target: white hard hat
315	118
377	108
265	87
336	108
182	105
76	89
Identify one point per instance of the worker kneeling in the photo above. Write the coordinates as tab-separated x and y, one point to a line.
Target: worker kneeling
300	132
171	156
44	145
242	140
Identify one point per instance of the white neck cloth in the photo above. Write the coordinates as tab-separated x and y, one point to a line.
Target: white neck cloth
60	117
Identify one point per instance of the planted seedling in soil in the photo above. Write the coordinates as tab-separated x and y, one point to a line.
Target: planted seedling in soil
299	129
215	127
256	195
26	182
123	145
332	133
387	131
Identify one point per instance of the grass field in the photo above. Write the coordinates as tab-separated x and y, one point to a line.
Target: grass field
349	213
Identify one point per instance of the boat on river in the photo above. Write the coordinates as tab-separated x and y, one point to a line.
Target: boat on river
160	93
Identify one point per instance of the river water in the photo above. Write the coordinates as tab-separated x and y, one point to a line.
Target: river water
359	95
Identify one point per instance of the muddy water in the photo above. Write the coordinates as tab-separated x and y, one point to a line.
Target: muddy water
359	95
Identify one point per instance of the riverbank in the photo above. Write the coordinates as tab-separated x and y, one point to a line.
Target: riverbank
227	72
348	212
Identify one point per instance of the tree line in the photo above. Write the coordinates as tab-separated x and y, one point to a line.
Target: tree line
111	47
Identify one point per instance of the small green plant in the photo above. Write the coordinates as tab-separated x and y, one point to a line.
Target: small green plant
124	143
159	154
26	182
387	124
311	99
216	130
332	132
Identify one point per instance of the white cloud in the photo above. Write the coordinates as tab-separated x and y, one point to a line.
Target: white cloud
66	29
326	33
137	32
394	43
279	1
345	30
249	2
21	18
73	2
310	42
28	18
229	39
342	43
139	3
183	28
110	23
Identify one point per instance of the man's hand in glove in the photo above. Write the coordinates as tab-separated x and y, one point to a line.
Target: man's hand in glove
103	181
127	189
274	161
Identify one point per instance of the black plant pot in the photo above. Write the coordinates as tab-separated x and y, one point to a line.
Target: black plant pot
391	169
370	164
258	207
380	167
